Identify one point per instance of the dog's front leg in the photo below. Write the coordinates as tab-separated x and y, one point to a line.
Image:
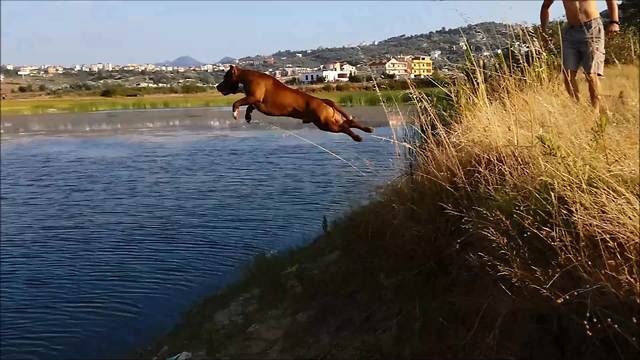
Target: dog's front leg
247	114
248	100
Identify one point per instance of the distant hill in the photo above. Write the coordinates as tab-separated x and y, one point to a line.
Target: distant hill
481	37
184	61
227	60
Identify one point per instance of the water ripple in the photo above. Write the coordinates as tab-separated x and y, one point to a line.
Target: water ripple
106	240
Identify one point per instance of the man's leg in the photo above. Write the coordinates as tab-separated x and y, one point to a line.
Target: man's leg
594	90
593	60
571	84
570	62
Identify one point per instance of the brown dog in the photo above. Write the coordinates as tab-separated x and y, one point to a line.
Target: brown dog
273	98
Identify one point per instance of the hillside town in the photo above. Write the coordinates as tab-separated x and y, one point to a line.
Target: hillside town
401	66
403	56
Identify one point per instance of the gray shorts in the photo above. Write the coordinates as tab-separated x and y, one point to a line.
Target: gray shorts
583	45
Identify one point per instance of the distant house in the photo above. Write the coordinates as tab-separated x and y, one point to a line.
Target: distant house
377	67
421	66
327	75
349	68
340	67
392	66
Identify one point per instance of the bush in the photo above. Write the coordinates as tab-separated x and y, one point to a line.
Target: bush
42	87
292	81
344	87
386	75
355	78
108	93
328	87
24	89
192	89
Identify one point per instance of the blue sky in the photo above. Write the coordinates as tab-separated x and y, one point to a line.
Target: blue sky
44	32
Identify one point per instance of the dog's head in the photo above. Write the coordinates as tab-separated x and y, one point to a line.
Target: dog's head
230	84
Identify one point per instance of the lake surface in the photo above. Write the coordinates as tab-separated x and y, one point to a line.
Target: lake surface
109	236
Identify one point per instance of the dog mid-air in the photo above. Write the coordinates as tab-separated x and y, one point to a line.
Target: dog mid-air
273	98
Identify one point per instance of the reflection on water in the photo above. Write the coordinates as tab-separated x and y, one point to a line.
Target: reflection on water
105	240
162	119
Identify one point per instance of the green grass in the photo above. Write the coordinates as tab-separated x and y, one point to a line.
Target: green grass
90	104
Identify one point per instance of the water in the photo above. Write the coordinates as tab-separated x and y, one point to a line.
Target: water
107	239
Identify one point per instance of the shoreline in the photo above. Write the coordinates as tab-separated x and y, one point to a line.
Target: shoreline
42	106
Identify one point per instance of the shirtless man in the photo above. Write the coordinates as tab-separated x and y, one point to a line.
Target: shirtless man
583	42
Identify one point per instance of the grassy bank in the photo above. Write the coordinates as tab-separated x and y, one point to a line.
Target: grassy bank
44	105
515	235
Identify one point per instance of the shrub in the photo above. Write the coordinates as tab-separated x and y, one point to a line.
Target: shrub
192	89
344	87
328	87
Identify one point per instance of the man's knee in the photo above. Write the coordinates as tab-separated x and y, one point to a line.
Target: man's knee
592	80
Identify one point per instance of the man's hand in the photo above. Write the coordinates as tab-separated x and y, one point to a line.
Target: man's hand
613	29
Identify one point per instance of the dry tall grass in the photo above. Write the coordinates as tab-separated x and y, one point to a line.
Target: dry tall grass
549	187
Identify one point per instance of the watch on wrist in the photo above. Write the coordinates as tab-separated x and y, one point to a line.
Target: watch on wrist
614	22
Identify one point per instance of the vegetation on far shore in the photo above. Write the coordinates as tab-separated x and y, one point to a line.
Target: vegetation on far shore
514	234
44	105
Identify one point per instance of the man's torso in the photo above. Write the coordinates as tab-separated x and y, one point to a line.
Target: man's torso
580	11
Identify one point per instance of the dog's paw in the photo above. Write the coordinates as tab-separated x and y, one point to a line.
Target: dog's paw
247	117
235	114
368	129
357	138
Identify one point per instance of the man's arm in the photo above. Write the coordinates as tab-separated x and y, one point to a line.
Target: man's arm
544	13
614	25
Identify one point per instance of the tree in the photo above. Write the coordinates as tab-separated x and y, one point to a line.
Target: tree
319	79
292	81
42	87
630	13
355	78
386	75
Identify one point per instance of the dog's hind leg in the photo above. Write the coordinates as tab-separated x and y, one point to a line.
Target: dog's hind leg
337	108
354	124
345	129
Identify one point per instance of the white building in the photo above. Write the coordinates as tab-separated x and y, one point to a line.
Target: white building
340	67
435	54
393	66
349	68
328	75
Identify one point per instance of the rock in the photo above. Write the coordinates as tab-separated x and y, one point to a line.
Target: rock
270	331
304	316
328	259
161	352
255	346
231	314
182	356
